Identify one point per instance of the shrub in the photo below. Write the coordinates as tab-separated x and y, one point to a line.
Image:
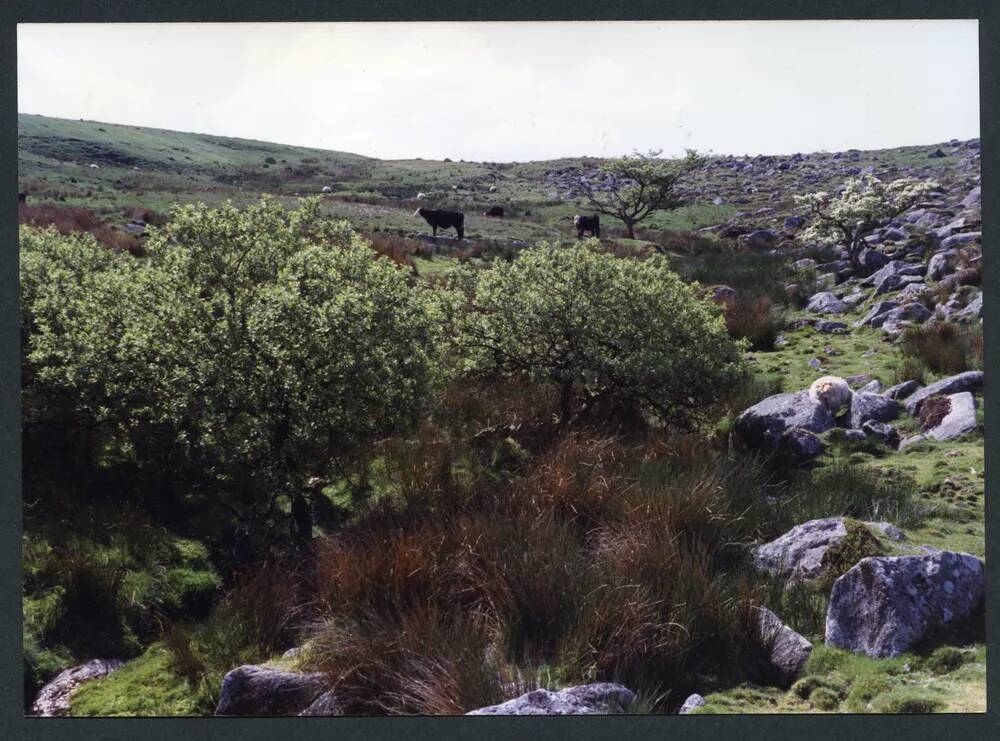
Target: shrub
600	330
907	700
859	543
944	347
946	659
824	698
755	319
910	368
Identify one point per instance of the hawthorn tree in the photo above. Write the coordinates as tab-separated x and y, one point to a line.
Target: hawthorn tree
622	333
254	350
641	184
863	205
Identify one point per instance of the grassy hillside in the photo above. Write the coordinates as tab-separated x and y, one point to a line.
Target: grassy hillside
596	547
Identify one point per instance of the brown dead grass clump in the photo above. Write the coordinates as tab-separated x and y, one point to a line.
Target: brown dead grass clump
68	219
752	317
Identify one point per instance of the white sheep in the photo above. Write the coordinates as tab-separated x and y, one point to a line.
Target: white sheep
830	391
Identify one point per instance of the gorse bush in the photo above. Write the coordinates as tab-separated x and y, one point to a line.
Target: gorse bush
604	332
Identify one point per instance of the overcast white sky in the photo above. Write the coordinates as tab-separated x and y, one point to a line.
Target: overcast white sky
518	91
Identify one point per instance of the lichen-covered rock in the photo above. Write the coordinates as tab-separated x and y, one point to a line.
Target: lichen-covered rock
603	698
788	650
798	554
54	698
763	425
960	418
259	690
876	314
868	407
325	704
691	704
901	390
815	548
826	303
884	433
968	381
885	605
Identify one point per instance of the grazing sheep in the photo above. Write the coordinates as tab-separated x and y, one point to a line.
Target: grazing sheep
327	189
830	391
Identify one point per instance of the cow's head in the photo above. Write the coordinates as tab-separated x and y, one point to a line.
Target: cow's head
419	211
576	221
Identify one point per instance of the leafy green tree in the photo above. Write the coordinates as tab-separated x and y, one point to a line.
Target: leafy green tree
640	185
863	205
619	333
254	348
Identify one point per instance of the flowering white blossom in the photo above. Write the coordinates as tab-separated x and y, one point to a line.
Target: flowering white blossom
862	206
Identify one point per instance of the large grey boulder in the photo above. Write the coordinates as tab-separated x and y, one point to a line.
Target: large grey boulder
869	407
826	303
788	650
901	390
973	199
957	240
54	698
914	311
885	605
325	704
968	381
603	698
798	554
764	425
892	275
876	314
941	264
883	433
972	311
960	419
259	690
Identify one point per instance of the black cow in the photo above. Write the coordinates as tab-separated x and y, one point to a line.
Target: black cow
443	220
22	197
494	211
590	224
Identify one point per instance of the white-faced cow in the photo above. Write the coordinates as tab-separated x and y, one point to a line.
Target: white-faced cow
590	224
494	211
443	220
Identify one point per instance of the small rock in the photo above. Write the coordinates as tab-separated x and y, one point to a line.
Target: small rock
691	704
54	698
789	650
588	699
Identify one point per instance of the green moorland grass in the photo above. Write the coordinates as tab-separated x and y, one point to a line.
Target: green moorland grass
948	679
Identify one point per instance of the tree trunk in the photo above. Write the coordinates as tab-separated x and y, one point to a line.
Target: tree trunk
630	229
302	524
565	402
